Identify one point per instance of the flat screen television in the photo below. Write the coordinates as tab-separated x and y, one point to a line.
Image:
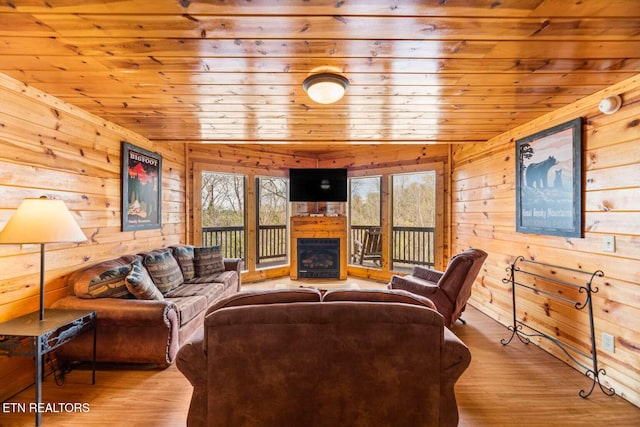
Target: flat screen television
317	185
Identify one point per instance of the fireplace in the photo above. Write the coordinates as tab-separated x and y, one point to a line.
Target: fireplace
318	258
315	233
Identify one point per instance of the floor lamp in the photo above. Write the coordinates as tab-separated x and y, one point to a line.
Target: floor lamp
41	221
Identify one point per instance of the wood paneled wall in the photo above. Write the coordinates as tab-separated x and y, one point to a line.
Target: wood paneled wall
483	216
50	148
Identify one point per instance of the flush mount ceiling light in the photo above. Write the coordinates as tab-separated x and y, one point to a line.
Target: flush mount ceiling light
325	88
611	104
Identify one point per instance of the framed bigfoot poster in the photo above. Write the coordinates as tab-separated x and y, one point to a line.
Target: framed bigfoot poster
549	181
141	188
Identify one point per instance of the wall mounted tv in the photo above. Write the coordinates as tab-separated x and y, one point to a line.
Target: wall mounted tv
317	185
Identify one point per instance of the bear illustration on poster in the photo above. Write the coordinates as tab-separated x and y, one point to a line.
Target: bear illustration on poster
537	173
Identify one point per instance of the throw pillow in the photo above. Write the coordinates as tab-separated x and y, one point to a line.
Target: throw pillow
163	269
208	260
139	283
103	280
184	256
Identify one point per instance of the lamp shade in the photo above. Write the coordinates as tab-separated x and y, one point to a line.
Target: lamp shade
325	88
41	221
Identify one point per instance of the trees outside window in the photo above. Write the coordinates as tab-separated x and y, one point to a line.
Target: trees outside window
365	214
410	236
414	199
271	239
413	215
365	201
223	212
414	219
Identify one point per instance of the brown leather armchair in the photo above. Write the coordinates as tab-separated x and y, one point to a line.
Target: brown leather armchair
449	290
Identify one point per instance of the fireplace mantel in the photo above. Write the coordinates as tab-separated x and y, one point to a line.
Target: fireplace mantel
318	227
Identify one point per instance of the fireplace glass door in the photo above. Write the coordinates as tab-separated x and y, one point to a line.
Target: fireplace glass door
318	258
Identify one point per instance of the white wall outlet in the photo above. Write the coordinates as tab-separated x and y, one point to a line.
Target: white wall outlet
609	243
608	342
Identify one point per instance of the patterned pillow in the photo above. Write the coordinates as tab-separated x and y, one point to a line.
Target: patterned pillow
184	255
103	280
139	283
163	269
208	260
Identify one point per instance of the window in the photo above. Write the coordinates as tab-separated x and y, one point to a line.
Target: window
272	221
414	218
364	211
223	212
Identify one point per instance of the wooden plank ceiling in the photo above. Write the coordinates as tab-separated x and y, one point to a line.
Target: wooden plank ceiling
447	71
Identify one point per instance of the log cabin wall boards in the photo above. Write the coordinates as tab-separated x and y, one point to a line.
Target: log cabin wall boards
483	216
54	149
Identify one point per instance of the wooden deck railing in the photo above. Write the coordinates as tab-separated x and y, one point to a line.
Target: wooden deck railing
410	245
413	246
271	244
230	238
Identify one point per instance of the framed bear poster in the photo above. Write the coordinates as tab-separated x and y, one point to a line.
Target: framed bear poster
549	181
141	188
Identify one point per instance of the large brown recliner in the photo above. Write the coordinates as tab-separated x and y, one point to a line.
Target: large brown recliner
297	358
449	290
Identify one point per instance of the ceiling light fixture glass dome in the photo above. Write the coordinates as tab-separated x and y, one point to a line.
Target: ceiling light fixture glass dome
325	88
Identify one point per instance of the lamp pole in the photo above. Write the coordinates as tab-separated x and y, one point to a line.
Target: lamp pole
42	270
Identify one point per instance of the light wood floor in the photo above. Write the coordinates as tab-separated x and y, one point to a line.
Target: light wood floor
516	385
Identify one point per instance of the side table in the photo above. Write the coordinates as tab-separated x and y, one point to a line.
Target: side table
29	336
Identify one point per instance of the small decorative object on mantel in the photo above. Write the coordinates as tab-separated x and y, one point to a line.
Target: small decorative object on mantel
549	181
141	188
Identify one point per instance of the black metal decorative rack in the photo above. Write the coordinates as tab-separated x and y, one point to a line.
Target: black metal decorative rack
522	268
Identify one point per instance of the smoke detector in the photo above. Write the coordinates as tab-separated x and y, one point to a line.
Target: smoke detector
610	104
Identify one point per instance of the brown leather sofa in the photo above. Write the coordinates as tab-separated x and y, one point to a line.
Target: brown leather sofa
297	358
147	304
